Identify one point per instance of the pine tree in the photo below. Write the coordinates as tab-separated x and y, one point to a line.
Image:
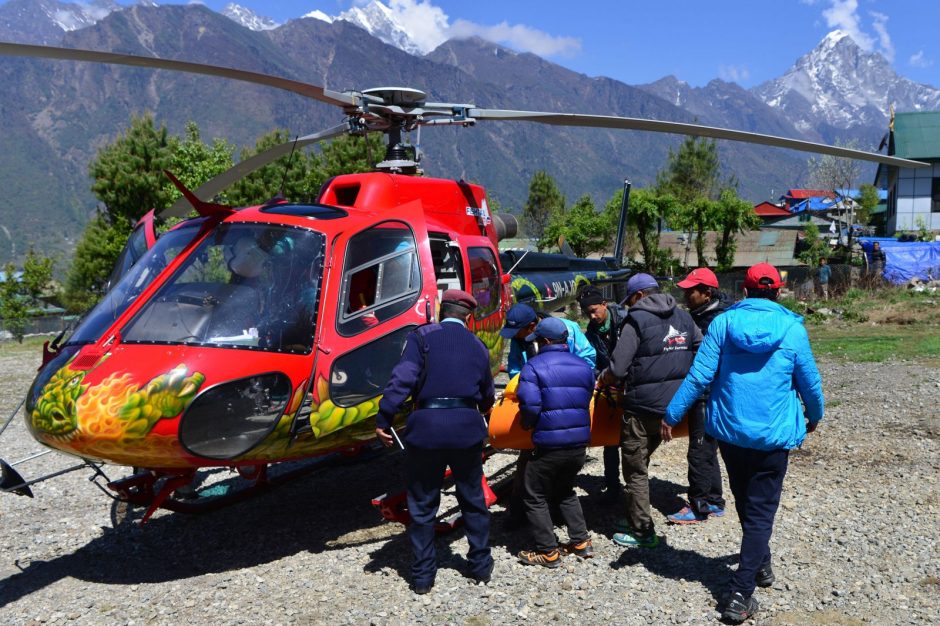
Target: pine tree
544	200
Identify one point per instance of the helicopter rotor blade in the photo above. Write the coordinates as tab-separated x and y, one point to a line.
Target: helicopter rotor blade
681	128
210	188
73	54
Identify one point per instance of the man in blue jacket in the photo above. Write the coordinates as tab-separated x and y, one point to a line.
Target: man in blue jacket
757	359
555	389
446	368
521	320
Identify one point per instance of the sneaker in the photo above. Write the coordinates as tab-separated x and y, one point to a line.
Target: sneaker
686	516
739	608
585	549
714	510
633	539
551	559
765	576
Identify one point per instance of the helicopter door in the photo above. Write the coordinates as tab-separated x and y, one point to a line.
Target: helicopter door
142	239
448	263
386	287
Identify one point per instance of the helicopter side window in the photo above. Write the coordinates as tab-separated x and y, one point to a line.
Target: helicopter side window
381	277
363	373
484	280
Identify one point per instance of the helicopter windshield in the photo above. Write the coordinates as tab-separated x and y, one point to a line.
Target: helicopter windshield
133	282
246	285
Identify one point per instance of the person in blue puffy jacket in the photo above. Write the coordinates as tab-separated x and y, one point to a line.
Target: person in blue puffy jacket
555	389
758	361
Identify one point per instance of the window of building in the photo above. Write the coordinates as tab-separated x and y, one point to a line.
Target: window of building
935	196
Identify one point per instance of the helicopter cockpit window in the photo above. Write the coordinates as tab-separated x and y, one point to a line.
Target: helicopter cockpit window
362	374
484	280
381	278
245	285
133	282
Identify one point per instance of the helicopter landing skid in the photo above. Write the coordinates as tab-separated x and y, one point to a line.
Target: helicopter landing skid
174	490
394	507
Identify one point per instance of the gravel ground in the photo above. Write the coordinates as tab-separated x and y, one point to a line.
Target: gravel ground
855	541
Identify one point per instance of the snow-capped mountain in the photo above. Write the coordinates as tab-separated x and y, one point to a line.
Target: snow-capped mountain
248	18
379	21
843	86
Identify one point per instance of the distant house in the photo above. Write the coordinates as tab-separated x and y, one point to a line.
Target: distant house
796	200
913	193
755	246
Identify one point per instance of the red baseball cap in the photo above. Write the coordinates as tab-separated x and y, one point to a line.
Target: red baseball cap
762	276
700	276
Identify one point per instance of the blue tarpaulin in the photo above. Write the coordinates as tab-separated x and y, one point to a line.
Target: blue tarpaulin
905	260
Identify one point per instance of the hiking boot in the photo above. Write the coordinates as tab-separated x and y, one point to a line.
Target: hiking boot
714	510
635	539
686	515
584	549
551	559
739	608
765	576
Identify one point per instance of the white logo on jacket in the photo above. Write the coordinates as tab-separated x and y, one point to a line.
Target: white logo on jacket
675	340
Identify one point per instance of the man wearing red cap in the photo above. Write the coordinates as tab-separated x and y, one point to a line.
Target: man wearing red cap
704	300
757	359
446	369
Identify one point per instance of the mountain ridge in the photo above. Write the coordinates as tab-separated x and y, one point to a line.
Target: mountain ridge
57	113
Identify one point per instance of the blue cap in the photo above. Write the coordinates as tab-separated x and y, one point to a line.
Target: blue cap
550	328
517	318
639	282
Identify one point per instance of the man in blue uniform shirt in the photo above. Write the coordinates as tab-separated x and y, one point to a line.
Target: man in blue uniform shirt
446	369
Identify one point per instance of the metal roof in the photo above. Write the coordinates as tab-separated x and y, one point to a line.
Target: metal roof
917	135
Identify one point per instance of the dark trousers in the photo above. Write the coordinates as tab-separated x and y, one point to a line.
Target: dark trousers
425	472
612	468
549	479
756	479
639	438
704	469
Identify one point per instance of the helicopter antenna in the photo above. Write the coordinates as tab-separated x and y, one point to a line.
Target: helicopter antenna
290	158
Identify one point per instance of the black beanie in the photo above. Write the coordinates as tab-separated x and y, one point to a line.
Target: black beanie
591	296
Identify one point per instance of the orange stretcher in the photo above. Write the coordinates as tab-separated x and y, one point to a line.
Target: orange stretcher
606	413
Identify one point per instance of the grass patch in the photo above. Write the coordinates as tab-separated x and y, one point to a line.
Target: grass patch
875	344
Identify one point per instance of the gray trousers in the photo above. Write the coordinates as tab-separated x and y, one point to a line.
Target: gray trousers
639	438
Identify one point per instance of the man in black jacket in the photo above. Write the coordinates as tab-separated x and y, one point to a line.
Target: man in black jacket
653	354
704	301
605	320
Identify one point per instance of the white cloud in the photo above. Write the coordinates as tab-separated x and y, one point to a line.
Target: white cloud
843	14
919	60
426	24
884	39
519	37
429	26
734	73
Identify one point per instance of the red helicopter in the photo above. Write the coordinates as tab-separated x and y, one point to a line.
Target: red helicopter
250	337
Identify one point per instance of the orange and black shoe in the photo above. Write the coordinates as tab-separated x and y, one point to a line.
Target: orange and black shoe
583	549
551	559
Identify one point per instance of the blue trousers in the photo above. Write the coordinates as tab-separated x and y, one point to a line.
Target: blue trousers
756	479
425	474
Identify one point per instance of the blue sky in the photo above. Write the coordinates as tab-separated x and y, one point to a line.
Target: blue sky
746	41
